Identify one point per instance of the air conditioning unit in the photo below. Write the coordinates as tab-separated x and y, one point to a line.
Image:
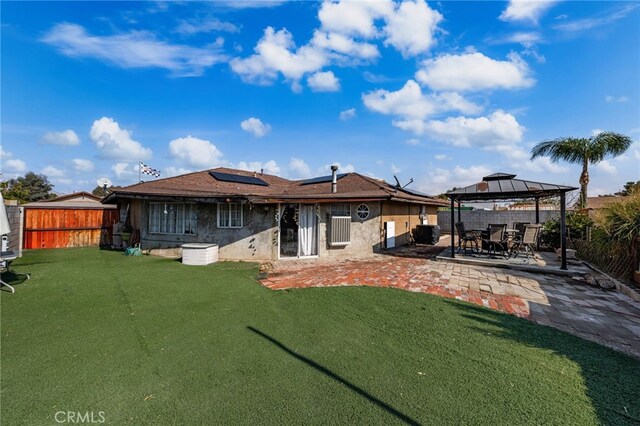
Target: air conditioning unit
339	231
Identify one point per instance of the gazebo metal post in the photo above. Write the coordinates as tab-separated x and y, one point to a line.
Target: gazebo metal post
453	235
538	221
459	220
563	231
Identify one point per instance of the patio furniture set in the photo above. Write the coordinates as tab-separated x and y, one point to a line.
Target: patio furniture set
510	242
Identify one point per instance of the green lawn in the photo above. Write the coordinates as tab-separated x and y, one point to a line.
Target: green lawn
151	341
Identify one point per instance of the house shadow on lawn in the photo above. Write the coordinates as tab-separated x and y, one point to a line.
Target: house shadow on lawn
612	379
339	379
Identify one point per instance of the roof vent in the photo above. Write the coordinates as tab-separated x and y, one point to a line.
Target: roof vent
334	178
498	176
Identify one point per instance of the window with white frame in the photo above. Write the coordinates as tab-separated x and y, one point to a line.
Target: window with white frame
340	209
172	218
230	215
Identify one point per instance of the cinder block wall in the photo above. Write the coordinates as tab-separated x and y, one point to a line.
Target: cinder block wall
480	219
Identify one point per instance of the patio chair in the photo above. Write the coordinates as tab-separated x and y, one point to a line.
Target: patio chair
519	226
497	238
466	237
528	240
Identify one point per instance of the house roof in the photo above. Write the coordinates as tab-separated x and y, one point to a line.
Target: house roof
204	185
76	200
600	202
504	186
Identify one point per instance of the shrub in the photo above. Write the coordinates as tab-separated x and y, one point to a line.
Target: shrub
620	221
577	224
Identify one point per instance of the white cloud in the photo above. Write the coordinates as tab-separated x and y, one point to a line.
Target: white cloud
499	128
275	54
440	180
124	170
299	169
619	99
4	155
395	169
66	137
195	152
116	143
590	23
413	142
324	82
135	49
344	45
526	10
441	157
175	171
255	126
543	164
82	165
15	165
471	174
605	166
326	169
270	167
356	18
475	71
53	172
205	26
410	103
347	114
411	27
526	38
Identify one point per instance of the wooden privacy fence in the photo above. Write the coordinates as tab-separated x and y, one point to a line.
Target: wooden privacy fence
59	228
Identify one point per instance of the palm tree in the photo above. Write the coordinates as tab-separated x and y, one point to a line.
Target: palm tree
583	151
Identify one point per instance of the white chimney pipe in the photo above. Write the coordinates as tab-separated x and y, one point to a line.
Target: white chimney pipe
334	179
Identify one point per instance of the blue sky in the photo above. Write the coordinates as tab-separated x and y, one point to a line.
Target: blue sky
441	92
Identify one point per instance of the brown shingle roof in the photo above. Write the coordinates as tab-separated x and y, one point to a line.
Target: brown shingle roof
600	202
351	186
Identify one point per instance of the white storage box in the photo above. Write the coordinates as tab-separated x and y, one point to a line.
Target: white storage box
199	253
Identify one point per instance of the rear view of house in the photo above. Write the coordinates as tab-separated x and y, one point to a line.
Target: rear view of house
255	216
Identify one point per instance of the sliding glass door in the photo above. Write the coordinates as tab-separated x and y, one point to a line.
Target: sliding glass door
298	230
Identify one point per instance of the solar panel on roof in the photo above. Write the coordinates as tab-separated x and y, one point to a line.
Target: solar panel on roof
247	180
414	192
321	179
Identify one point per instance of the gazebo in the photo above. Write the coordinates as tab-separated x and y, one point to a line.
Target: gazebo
505	187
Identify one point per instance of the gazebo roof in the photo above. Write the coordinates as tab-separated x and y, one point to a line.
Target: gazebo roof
505	186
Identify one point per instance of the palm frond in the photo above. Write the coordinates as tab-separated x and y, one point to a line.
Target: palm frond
607	143
571	150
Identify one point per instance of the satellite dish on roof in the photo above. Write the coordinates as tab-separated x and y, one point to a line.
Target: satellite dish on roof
104	182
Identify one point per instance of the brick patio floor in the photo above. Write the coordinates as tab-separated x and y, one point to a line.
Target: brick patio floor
609	318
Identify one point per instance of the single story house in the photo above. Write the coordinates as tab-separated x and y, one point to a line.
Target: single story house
256	216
